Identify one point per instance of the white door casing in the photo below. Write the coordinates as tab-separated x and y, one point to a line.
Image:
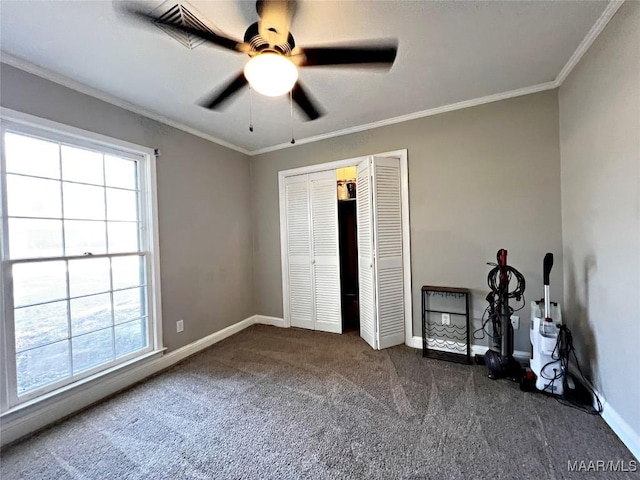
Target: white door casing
326	251
298	232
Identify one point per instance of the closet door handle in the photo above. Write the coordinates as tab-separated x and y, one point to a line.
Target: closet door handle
313	262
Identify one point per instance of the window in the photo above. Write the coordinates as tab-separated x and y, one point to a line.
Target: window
79	272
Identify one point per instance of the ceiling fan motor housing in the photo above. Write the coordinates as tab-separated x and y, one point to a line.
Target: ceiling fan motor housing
259	44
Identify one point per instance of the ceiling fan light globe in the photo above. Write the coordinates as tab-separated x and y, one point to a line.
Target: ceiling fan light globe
271	74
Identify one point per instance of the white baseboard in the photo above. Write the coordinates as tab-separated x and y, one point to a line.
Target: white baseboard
265	320
517	354
23	421
188	350
416	342
621	428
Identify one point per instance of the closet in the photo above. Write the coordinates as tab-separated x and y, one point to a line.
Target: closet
347	234
318	289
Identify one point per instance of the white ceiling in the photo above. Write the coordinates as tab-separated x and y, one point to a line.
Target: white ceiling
449	52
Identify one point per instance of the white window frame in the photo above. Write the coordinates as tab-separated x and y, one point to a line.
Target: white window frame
23	123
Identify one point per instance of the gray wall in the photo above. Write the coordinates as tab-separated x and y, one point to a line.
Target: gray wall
600	146
204	210
480	179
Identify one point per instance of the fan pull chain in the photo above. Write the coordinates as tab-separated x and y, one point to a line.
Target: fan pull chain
291	102
250	110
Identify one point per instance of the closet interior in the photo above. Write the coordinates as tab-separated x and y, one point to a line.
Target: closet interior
347	232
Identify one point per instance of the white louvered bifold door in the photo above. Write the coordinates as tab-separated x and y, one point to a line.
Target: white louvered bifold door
325	248
387	232
365	254
300	301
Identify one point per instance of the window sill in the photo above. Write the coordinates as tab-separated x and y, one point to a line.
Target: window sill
44	400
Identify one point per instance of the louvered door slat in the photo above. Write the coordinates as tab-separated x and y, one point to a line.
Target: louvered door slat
326	255
301	311
365	254
388	247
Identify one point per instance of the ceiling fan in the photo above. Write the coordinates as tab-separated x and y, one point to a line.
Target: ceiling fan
272	69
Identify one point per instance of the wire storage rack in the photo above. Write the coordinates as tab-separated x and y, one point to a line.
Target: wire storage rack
445	324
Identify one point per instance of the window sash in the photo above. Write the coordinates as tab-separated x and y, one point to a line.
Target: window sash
106	188
9	325
145	191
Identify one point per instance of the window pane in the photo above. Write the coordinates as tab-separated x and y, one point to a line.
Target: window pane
87	276
92	349
31	156
90	313
73	316
39	282
128	304
120	172
33	197
123	237
42	366
130	337
40	325
33	238
82	237
83	202
122	205
79	165
127	272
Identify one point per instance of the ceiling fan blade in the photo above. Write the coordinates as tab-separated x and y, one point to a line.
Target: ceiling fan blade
310	108
382	55
201	33
275	19
215	100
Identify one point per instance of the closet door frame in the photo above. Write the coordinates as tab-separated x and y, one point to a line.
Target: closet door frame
406	229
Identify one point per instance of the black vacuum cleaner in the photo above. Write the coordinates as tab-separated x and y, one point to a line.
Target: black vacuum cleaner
499	358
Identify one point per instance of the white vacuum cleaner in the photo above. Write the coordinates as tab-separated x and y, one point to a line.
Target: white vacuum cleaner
546	319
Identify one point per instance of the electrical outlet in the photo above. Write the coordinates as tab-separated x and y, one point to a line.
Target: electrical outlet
180	326
515	322
446	319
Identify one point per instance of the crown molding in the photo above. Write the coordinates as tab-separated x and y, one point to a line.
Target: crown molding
100	95
39	71
412	116
588	40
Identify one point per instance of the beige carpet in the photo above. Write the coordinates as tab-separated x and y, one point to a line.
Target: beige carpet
272	403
